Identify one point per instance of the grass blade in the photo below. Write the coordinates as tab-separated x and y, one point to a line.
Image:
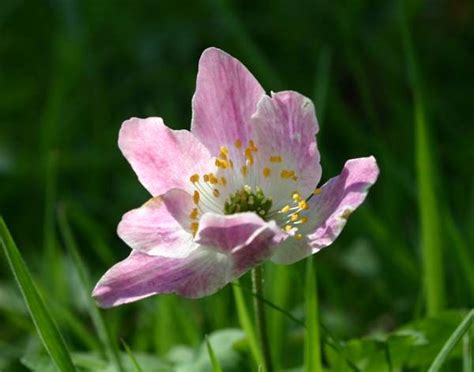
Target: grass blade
312	341
84	276
216	366
431	237
449	345
246	324
45	325
134	360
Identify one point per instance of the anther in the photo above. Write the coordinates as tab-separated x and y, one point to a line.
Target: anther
238	143
223	181
244	170
296	197
298	236
194	227
317	191
266	172
196	197
216	193
194	213
276	159
285	209
194	178
303	204
294	217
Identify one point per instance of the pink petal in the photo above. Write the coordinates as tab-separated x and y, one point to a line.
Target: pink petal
330	209
285	125
161	226
162	158
140	275
248	238
226	97
204	271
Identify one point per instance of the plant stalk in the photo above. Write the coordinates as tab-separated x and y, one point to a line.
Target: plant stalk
260	318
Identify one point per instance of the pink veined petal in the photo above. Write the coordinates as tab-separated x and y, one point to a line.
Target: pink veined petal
330	209
226	97
162	158
161	226
204	271
140	275
285	125
247	237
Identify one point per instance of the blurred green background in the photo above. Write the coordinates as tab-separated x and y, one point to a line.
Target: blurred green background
72	70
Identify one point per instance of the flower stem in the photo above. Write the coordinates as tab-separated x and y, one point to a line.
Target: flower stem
260	318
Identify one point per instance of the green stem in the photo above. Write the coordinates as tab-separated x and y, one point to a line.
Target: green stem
260	318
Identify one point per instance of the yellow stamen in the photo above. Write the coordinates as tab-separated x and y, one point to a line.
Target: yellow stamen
296	196
288	228
231	164
244	170
206	178
194	227
285	209
223	181
216	193
294	217
194	213
303	205
252	146
317	191
221	163
298	236
303	219
266	172
194	178
224	153
276	159
238	143
196	197
248	155
213	179
286	173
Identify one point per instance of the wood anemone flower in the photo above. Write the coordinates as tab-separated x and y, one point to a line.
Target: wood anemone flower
236	190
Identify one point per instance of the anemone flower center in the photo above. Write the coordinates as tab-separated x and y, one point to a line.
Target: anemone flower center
248	200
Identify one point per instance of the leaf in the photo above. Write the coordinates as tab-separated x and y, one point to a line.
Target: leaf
44	323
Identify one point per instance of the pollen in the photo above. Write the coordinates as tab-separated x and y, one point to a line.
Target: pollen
296	196
231	164
285	209
194	178
276	159
303	204
267	172
238	143
303	219
194	227
317	191
286	174
244	170
288	228
206	178
224	152
249	156
216	193
221	163
298	236
223	181
194	213
294	217
213	180
196	197
252	146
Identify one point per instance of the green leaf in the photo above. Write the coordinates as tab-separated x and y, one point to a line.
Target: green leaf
86	285
132	358
453	340
45	325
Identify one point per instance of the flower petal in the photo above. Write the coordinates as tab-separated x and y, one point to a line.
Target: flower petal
226	97
161	226
248	238
140	275
285	126
161	157
330	209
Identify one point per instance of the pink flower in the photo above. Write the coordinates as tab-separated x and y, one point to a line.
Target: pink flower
237	190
